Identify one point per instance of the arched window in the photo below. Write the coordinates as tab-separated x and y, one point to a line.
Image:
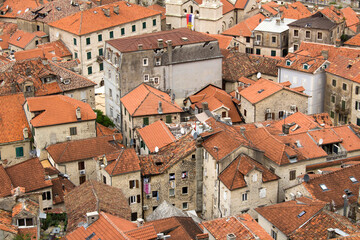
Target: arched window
191	9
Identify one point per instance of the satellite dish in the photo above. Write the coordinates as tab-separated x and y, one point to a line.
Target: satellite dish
306	178
321	141
258	75
195	135
156	149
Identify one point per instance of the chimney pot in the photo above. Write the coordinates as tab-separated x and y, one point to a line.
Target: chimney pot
106	11
285	128
160	43
91	217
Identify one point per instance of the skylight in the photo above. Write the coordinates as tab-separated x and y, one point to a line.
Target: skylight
288	62
301	214
261	90
353	179
324	187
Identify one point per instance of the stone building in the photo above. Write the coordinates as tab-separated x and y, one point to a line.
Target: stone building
257	101
121	169
58	118
94	26
142	106
20	40
271	37
178	61
171	174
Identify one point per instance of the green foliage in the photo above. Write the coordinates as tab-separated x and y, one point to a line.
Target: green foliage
22	237
103	119
332	3
344	38
53	219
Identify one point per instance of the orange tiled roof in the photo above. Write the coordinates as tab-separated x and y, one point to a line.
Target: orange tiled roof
245	27
295	10
21	39
241	4
345	67
122	161
14	8
144	100
60	187
224	41
6	222
351	18
82	149
58	109
262	89
270	9
354	41
301	57
243	226
158	8
12	118
333	14
167	156
155	135
4	43
233	176
285	216
81	23
101	130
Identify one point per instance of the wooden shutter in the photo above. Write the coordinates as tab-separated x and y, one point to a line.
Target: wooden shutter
138	198
137	183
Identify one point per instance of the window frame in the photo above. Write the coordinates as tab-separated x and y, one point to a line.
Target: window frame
73	131
88	41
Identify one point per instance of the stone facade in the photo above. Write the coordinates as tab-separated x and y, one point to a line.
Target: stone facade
8	152
83	94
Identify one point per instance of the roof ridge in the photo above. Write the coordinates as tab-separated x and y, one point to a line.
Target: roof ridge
113	225
117	161
81	17
96	196
167	130
141	101
237	170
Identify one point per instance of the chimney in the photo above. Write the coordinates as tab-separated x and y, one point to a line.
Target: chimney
230	236
168	26
205	106
285	128
169	49
88	5
140	46
160	110
116	9
325	54
160	43
202	236
140	222
106	11
18	191
98	2
278	21
242	130
26	133
82	6
92	217
78	113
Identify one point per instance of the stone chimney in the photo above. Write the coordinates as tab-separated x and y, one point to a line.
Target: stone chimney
160	110
278	21
106	11
205	106
160	43
78	113
99	2
285	128
140	222
18	191
88	5
116	9
26	133
325	54
91	217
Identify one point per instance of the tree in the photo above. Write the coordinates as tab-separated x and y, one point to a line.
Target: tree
103	119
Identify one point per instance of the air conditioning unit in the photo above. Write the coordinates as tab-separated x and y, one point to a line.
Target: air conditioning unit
268	110
293	107
145	208
82	172
148	196
68	138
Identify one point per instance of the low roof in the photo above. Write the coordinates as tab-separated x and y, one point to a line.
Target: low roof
158	8
351	18
144	100
242	226
21	39
58	109
273	25
60	187
316	21
82	149
224	41
82	22
245	27
354	41
155	135
122	161
295	10
178	37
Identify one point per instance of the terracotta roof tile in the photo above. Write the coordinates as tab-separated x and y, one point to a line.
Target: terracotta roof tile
81	23
351	18
233	176
269	9
101	130
354	41
295	10
60	187
6	222
50	50
122	161
6	184
333	14
301	57
4	43
224	41
158	8
21	39
14	8
12	118
245	27
285	216
94	196
242	226
58	109
350	141
241	4
150	40
144	100
155	135
82	149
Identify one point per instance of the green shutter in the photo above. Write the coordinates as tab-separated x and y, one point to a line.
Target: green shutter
101	52
111	34
144	25
89	70
99	37
154	22
133	28
146	121
122	31
101	66
87	41
75	43
19	152
88	54
168	119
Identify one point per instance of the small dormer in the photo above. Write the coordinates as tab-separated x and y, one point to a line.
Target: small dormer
48	79
306	66
288	62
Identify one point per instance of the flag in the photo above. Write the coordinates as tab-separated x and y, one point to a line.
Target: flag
190	19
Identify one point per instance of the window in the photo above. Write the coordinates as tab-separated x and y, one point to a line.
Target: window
343	104
247	39
306	67
258	37
292	175
184	175
82	179
281	114
145	61
258	51
19	151
134	216
171	176
296	33
319	36
104	179
301	214
157	61
133	184
296	47
244	197
144	25
185	205
73	131
155	194
184	190
146	121
333	98
357	105
273	53
273	39
254	177
307	34
344	86
171	192
75	55
133	28
353	179
146	77
88	55
168	119
324	187
245	112
88	41
154	22
262	193
332	114
75	41
223	114
81	165
111	34
156	80
101	52
333	83
89	70
288	62
101	66
122	31
357	90
273	234
99	37
46	195
25	222
132	199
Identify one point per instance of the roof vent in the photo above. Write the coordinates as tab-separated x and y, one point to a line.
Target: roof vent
160	110
78	113
230	236
116	9
18	39
184	39
261	90
301	214
106	11
92	217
